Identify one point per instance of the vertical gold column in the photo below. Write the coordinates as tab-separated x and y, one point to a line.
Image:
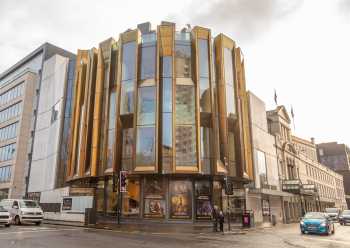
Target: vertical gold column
97	114
79	83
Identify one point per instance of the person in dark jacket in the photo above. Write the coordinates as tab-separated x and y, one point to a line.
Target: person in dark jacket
221	219
215	214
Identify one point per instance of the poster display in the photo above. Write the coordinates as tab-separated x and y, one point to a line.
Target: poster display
203	203
180	199
154	202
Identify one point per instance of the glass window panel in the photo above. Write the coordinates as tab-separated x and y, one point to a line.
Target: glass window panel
185	104
186	146
167	95
148	62
203	58
167	134
228	66
110	146
112	109
146	106
128	141
145	148
183	61
128	61
204	95
205	142
230	101
261	161
127	97
167	63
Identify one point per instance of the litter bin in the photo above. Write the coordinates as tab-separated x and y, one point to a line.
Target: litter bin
247	219
90	216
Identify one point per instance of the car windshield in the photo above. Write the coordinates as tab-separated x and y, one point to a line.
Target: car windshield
346	212
331	210
28	204
314	216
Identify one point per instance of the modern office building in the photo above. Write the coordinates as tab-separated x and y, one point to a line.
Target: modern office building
19	94
49	159
168	107
337	157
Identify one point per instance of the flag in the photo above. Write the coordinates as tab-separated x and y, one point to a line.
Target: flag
275	97
292	112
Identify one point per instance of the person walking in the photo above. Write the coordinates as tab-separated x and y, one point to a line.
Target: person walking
221	218
215	214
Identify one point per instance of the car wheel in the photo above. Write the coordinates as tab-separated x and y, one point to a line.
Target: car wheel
7	225
302	232
17	220
38	223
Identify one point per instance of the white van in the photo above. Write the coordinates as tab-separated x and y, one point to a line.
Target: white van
23	211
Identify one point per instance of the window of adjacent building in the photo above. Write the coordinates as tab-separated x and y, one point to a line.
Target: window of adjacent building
11	94
10	112
54	113
5	174
8	132
7	152
261	166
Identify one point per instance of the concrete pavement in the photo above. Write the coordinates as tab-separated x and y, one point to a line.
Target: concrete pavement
53	236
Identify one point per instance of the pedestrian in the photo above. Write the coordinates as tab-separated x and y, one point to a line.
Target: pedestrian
215	218
221	218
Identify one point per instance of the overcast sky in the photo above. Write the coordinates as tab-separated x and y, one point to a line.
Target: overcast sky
301	48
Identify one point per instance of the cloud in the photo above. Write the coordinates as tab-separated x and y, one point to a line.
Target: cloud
344	6
244	19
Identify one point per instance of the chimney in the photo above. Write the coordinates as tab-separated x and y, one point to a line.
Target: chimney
312	140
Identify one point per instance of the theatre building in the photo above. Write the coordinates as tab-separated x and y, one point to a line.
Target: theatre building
168	107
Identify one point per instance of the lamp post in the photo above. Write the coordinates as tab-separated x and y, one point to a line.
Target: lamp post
227	191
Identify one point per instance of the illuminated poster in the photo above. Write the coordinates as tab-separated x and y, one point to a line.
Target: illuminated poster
181	199
203	204
154	206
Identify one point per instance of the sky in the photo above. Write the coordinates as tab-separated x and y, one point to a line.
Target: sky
301	48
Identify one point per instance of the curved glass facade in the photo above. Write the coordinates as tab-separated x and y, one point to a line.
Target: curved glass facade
173	119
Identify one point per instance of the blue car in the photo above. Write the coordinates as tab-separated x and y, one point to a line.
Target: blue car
318	223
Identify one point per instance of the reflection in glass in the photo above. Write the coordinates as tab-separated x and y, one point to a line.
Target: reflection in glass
148	62
167	66
127	97
205	142
228	66
230	101
167	95
111	140
185	144
112	109
185	104
128	142
128	61
231	153
183	61
145	148
203	58
146	106
204	90
167	135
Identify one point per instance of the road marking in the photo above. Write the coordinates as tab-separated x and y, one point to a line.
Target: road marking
329	240
36	231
